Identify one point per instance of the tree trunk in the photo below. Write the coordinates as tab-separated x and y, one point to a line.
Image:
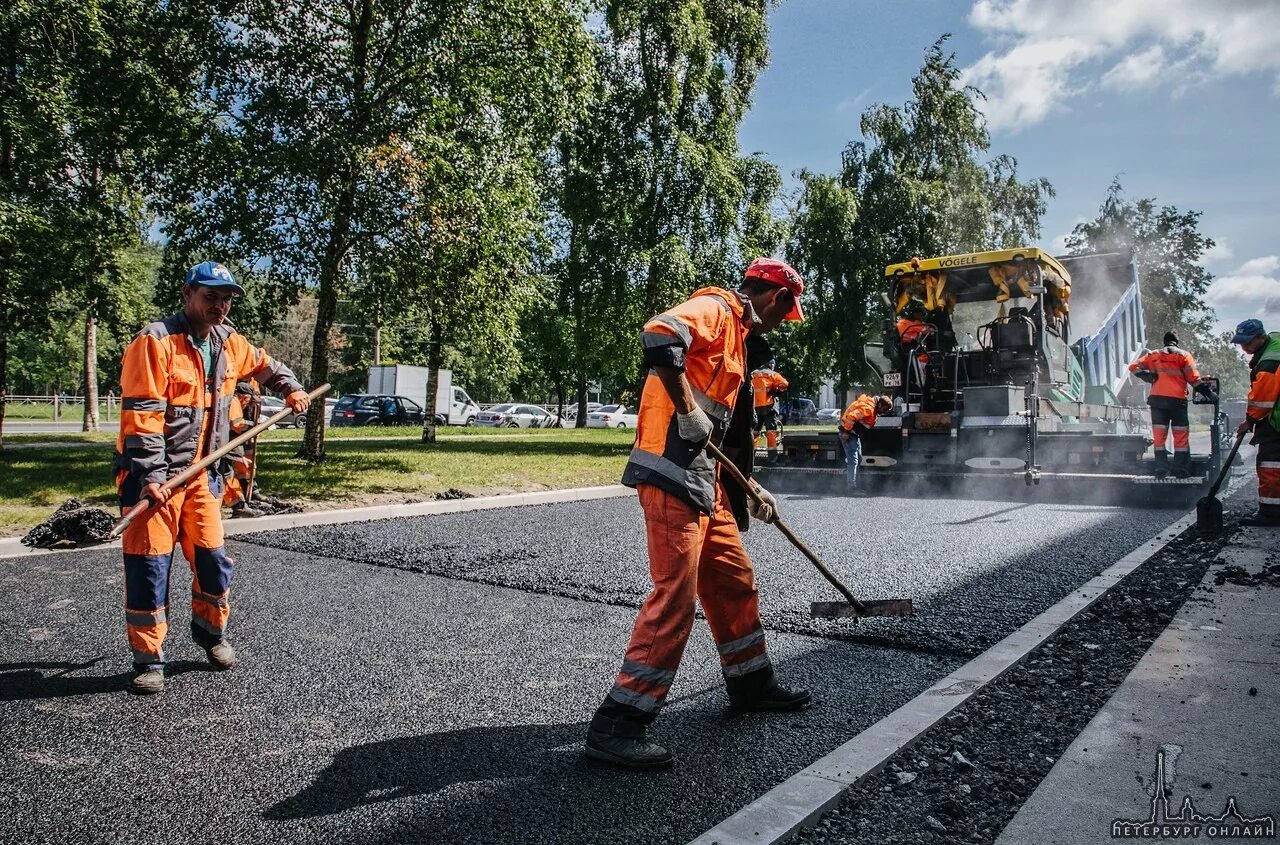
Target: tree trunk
335	250
377	330
90	371
312	448
582	401
434	360
4	344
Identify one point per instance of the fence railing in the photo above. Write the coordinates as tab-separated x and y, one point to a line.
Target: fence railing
20	408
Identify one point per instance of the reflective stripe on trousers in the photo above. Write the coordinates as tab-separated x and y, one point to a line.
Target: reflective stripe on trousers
192	519
692	557
1268	468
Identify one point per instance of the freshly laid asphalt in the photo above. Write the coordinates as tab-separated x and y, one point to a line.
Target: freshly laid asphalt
441	695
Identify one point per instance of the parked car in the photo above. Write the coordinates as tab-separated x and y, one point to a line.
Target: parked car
799	412
272	405
517	415
375	409
611	416
571	410
829	415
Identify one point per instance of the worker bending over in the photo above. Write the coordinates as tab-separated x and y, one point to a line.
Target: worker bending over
1261	416
177	381
767	385
857	420
1169	371
697	358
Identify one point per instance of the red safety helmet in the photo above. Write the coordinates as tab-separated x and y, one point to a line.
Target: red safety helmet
780	273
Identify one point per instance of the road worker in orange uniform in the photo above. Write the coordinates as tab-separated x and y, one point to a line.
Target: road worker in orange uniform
1169	371
859	418
1262	416
177	381
244	415
697	391
767	384
912	331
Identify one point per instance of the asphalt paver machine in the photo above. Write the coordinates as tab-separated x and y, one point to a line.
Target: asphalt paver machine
1011	365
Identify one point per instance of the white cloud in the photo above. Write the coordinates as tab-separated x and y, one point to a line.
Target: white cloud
1251	290
1137	71
1054	50
1218	253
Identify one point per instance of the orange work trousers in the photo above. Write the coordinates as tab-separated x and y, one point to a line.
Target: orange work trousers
690	554
192	517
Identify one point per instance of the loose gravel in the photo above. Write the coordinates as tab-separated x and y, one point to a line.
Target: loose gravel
965	779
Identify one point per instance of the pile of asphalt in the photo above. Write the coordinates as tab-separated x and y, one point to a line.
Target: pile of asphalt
72	524
966	778
976	570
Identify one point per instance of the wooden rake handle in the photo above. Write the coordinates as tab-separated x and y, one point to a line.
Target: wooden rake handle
181	479
783	527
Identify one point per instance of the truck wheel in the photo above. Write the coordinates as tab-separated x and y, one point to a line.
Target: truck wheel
471	421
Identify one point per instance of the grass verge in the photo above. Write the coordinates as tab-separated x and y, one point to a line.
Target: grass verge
356	472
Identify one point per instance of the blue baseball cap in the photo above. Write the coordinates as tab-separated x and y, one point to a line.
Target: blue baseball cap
1248	330
214	275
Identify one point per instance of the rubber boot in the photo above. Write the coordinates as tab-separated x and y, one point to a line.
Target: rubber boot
621	742
241	510
760	690
1162	463
1181	465
1262	520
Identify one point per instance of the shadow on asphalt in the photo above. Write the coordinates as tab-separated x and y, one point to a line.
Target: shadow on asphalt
427	764
27	681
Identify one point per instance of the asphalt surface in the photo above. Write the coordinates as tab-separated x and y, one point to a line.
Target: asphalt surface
442	695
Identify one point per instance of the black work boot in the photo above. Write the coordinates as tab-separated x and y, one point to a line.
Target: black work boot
760	690
1162	463
620	741
1262	520
1182	465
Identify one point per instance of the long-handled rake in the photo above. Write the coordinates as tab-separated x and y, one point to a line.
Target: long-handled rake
851	608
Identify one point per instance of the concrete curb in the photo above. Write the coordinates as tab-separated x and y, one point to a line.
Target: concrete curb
798	801
13	548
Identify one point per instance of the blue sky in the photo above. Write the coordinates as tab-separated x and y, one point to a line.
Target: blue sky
1178	98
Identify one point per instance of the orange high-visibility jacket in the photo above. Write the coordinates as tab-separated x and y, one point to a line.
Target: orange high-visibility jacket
1174	369
767	384
705	337
170	415
1264	382
909	331
861	411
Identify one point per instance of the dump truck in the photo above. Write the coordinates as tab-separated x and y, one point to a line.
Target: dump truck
1008	365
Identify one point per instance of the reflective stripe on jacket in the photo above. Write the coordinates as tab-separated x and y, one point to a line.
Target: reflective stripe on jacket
1174	369
861	410
170	415
1264	385
705	336
767	384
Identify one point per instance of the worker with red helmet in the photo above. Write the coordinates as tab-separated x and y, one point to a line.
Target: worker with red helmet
697	391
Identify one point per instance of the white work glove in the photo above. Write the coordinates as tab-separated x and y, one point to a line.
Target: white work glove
766	512
694	426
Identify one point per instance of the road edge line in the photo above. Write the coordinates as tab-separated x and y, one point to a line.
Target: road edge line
801	799
12	547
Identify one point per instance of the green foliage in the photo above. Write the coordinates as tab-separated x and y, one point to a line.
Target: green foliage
914	185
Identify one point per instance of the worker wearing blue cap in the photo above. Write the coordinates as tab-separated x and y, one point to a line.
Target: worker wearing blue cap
177	383
1262	416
